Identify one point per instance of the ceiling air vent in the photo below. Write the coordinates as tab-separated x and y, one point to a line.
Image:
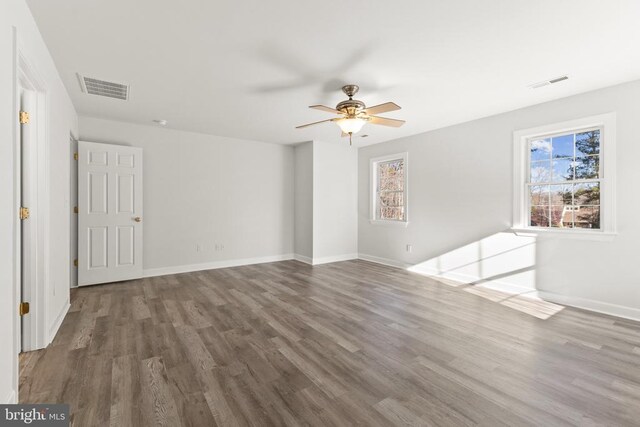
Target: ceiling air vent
99	87
548	82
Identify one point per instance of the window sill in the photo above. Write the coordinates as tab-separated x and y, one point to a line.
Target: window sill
397	224
602	236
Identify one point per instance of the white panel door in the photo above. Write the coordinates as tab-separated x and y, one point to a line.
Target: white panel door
109	213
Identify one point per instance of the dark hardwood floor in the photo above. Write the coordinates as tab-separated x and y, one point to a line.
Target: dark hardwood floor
350	343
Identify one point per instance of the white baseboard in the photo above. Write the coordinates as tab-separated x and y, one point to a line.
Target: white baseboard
303	258
11	398
324	260
53	330
625	312
334	258
384	261
498	285
503	286
163	271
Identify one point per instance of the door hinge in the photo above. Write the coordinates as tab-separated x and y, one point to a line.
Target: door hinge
24	117
24	213
24	308
75	262
75	209
75	156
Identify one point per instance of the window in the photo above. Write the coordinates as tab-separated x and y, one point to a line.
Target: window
389	189
564	180
561	184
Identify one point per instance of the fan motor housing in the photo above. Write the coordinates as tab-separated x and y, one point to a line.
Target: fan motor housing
350	106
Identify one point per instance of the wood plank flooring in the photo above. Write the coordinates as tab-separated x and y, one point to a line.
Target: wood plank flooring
349	343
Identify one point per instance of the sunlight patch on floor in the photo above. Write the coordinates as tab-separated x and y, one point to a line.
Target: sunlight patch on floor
525	302
500	268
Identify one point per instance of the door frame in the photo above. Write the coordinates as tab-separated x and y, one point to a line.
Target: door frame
73	218
32	334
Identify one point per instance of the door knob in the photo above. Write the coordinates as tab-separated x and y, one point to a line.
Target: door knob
137	219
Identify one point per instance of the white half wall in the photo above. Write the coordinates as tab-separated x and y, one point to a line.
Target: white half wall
304	202
460	208
207	199
18	31
335	207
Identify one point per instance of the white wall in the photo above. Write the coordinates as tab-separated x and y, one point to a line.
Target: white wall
304	202
15	16
460	204
203	191
335	194
326	211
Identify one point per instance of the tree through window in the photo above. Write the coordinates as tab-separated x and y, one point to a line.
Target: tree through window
389	182
564	180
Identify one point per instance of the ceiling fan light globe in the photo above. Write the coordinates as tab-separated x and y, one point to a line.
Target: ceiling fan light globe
351	125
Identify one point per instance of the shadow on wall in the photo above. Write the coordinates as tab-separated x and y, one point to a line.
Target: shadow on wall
500	268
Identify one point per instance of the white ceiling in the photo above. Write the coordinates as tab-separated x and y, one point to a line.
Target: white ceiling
249	69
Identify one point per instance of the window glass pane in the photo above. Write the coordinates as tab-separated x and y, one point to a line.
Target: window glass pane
390	190
539	216
561	194
588	167
391	213
561	206
391	184
392	168
540	149
587	216
561	216
587	193
588	143
541	171
391	199
391	175
562	146
562	170
539	195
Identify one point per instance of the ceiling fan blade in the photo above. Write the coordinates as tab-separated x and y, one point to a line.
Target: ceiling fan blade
325	108
382	108
386	122
344	134
314	123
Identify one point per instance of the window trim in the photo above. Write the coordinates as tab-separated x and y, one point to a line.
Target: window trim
373	183
607	124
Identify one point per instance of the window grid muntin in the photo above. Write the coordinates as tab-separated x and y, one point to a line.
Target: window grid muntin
379	192
571	182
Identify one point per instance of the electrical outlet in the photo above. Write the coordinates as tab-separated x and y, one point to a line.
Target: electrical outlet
409	248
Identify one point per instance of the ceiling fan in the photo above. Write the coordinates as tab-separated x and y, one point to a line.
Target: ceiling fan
354	114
